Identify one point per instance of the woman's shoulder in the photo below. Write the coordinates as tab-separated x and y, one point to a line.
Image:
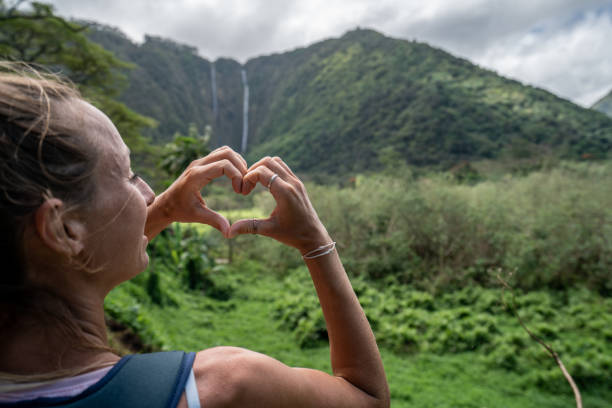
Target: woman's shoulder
222	368
226	376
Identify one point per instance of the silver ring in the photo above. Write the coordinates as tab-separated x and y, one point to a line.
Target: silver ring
274	176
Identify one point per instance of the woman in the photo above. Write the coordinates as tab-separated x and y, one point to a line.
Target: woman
75	222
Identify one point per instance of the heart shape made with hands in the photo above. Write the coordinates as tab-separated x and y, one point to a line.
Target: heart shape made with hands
231	228
293	221
188	205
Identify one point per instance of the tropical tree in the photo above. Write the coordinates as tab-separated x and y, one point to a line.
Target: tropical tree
183	150
32	33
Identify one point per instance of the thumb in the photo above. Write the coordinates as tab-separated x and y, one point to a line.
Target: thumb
214	219
250	226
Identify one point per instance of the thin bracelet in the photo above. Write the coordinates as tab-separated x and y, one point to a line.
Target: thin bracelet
322	247
327	249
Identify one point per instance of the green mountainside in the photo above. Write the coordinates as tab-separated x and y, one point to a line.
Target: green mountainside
333	106
604	104
171	83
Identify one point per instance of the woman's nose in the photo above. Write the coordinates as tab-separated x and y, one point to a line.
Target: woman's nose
146	192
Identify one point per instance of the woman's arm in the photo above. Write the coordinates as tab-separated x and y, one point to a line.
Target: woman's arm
231	377
354	353
182	201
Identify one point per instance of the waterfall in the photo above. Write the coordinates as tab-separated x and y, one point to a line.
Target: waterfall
245	112
213	82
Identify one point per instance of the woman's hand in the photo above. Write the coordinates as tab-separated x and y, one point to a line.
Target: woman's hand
182	201
294	221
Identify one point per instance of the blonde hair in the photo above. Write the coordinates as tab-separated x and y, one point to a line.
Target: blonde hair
41	156
62	373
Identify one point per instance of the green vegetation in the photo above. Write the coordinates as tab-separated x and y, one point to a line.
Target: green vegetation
179	153
575	322
423	379
446	335
35	35
551	228
344	99
173	84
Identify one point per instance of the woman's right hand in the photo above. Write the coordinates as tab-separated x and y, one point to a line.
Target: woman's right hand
182	201
294	221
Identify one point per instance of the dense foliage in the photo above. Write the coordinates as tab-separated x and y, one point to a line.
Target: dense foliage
347	98
576	323
184	149
551	228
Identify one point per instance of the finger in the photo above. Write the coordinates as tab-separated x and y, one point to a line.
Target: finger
227	153
221	148
273	165
221	153
284	165
263	175
214	219
265	161
238	157
251	226
202	175
248	184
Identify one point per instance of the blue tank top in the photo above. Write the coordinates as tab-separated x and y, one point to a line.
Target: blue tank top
154	380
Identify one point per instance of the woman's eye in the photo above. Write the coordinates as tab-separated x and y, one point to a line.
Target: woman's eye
134	177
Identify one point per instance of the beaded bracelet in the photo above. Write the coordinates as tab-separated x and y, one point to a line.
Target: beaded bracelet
327	248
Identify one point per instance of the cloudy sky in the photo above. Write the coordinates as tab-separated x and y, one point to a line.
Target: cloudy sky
564	46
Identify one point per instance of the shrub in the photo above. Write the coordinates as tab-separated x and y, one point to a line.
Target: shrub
553	228
185	251
472	319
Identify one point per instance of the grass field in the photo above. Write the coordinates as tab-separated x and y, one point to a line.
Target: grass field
195	322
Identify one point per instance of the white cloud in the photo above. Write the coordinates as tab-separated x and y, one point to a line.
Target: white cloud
556	44
574	62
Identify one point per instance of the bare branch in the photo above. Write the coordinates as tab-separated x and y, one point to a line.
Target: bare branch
549	349
34	56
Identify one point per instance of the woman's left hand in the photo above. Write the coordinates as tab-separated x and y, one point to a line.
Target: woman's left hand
294	221
182	201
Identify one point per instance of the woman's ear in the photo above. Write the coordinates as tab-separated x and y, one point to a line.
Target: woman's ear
58	230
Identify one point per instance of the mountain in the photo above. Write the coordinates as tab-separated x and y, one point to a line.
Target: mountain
332	107
604	104
171	83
